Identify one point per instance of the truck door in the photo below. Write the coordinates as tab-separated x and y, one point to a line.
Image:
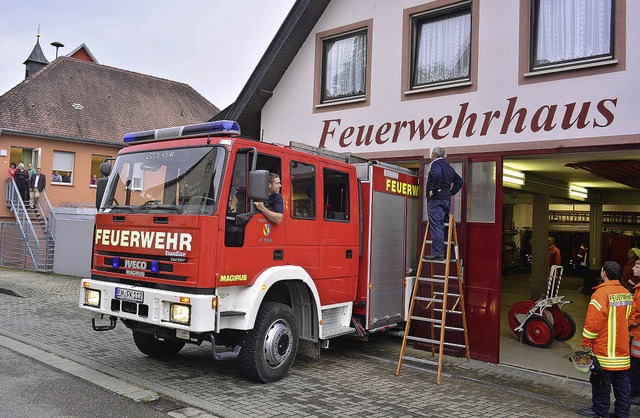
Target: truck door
251	248
303	227
339	239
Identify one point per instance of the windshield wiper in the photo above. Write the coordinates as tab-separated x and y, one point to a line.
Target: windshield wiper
120	207
149	203
154	204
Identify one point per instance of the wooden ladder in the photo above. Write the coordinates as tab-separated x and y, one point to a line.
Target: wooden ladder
438	303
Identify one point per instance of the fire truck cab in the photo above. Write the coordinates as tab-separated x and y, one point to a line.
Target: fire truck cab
181	254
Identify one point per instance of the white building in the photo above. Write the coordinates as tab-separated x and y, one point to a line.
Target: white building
516	88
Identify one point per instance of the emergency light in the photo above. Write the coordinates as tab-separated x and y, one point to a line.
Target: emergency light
217	128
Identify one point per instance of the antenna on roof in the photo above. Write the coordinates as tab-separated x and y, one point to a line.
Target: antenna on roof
57	44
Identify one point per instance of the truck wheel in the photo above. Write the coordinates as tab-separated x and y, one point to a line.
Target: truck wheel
148	345
270	347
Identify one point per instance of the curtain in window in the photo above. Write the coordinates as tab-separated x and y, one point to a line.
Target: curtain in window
63	161
345	67
443	49
572	29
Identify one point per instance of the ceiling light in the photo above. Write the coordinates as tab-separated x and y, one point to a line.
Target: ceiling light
576	191
509	175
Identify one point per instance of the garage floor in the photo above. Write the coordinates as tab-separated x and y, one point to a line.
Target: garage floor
553	360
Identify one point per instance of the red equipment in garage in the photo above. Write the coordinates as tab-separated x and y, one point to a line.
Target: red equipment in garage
537	323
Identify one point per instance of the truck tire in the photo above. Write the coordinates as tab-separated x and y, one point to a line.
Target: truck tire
268	350
152	347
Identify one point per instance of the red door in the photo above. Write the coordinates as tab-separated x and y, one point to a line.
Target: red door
478	213
482	199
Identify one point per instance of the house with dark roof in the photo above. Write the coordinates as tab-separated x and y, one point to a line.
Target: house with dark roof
534	101
67	116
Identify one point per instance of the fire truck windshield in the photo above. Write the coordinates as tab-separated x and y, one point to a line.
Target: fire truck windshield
178	180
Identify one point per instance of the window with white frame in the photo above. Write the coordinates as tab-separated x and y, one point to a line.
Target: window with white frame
570	32
62	169
441	46
344	66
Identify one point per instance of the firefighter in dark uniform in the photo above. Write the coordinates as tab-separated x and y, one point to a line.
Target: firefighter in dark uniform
442	183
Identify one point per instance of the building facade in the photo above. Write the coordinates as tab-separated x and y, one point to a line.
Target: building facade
533	100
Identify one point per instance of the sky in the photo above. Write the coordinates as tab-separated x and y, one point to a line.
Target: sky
211	45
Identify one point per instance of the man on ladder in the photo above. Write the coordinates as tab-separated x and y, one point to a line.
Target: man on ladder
442	183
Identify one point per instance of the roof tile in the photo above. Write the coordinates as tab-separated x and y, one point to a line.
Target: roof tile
82	100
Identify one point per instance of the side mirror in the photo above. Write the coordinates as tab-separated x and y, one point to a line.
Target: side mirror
101	186
258	190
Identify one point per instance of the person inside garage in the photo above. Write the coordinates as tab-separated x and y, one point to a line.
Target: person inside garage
554	254
628	279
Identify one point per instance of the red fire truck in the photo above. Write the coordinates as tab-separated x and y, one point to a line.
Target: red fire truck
182	256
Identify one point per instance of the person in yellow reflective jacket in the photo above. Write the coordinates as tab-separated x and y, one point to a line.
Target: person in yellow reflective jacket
634	330
606	333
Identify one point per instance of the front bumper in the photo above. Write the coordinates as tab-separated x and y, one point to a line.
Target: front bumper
155	307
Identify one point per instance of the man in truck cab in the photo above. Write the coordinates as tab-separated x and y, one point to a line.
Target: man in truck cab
274	208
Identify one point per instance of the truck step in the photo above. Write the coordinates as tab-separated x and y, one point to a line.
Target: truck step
232	313
330	332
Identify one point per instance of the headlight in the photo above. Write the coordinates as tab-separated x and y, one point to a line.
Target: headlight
92	297
180	314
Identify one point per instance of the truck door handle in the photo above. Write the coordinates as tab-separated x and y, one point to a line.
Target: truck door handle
278	254
349	254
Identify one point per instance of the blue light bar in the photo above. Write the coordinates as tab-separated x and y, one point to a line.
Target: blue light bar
115	263
155	266
217	128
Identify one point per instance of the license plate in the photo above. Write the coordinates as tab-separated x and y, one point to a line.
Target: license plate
130	295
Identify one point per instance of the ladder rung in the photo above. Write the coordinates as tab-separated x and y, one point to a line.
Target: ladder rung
437	342
448	311
423	299
420	360
425	319
449	328
450	277
451	260
454	295
430	280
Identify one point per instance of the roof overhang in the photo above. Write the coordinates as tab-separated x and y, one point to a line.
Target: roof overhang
17	132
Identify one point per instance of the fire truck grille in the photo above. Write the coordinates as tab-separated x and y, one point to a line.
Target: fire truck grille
130	307
146	274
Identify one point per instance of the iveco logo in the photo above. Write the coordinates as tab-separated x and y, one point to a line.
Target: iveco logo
135	264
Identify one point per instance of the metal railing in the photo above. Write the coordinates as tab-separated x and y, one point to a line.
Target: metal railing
36	250
48	215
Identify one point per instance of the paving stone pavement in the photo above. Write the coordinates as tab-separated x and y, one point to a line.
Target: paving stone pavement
353	378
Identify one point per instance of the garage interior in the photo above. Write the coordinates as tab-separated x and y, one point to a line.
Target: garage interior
602	211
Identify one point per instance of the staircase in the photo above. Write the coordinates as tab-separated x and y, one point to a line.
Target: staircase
28	243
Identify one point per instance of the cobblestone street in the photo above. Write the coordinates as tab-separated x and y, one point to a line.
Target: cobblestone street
352	378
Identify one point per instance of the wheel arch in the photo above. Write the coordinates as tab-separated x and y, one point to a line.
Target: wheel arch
290	285
299	297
